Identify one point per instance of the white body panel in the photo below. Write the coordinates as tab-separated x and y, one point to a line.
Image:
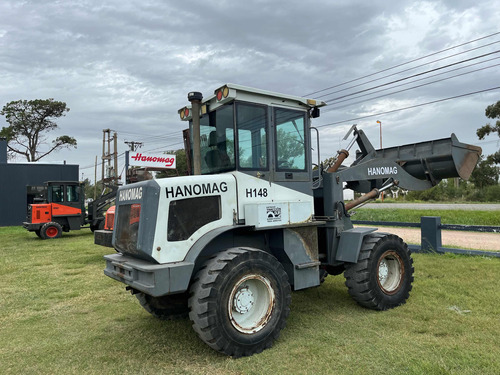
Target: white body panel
174	189
253	190
263	215
241	195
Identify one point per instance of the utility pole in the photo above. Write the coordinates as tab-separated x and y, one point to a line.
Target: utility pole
95	178
111	175
380	123
133	145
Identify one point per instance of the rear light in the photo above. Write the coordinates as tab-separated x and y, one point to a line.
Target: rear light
185	113
222	93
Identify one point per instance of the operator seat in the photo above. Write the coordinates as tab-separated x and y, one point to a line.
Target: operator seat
215	158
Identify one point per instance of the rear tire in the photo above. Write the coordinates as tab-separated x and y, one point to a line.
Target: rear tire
169	307
240	301
382	278
98	226
50	230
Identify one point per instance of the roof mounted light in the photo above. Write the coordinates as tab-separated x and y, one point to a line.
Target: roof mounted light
185	113
222	93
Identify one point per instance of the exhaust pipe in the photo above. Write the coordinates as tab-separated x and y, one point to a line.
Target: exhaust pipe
195	99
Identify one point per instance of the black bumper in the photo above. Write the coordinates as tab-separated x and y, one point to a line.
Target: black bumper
103	237
32	227
151	278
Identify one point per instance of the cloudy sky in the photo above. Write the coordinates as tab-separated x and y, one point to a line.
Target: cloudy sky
128	66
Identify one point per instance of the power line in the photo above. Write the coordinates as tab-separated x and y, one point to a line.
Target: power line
151	137
416	80
410	107
408	69
163	147
407	89
414	75
100	163
402	64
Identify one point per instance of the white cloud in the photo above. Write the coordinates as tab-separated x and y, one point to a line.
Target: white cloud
129	65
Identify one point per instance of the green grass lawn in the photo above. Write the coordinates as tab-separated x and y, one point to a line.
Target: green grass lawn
413	216
59	314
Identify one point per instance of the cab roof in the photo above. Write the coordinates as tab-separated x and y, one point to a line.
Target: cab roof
230	91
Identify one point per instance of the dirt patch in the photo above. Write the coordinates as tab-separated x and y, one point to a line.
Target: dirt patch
458	239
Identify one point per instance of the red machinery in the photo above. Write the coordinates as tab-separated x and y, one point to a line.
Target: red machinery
63	209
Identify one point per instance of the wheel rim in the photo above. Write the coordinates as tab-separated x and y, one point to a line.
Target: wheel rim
390	272
251	303
51	231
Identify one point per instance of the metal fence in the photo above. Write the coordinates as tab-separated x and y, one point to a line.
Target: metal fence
431	240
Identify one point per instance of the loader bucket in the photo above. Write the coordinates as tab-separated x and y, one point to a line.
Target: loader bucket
435	160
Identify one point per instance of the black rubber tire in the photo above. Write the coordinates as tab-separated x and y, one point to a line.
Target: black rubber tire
37	232
324	271
98	226
323	274
335	270
50	230
382	278
232	274
169	307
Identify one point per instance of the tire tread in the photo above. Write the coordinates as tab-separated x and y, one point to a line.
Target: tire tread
357	276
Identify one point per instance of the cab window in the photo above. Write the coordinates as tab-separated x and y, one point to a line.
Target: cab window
72	193
251	122
57	193
290	144
217	141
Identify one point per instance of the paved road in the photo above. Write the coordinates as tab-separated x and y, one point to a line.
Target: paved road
436	206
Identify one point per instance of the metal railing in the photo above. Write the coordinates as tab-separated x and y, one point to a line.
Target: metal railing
431	239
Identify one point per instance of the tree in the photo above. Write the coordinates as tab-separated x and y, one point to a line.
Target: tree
486	172
290	149
492	112
29	120
92	191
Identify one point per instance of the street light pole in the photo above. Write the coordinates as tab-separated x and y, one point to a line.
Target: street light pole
380	123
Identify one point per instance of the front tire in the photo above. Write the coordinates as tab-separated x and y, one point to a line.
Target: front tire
50	230
240	301
382	278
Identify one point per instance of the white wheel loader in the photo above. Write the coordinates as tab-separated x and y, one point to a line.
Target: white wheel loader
255	221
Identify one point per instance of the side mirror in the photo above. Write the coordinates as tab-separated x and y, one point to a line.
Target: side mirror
315	112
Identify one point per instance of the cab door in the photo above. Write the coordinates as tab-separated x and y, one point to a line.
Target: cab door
291	149
252	137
